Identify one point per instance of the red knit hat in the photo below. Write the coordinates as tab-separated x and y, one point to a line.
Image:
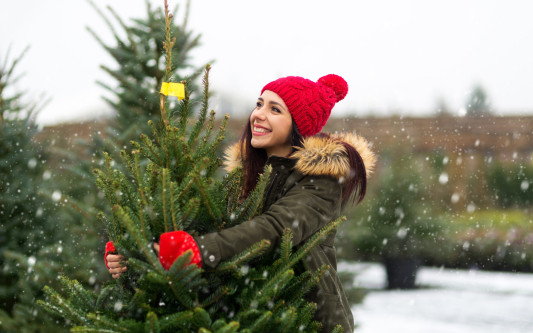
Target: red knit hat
309	103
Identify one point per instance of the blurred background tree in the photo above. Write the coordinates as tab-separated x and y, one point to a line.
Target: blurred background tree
477	104
399	229
28	237
442	108
140	62
511	185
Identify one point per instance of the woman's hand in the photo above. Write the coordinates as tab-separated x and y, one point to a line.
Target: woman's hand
115	266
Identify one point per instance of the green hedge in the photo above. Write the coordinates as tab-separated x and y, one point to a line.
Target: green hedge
491	240
511	185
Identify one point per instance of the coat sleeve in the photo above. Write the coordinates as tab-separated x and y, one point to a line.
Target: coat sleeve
306	207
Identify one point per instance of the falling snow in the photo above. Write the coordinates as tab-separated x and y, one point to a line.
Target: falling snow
56	195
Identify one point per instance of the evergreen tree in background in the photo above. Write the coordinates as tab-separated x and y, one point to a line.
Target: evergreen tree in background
511	184
29	240
394	222
21	164
477	104
399	227
175	189
141	68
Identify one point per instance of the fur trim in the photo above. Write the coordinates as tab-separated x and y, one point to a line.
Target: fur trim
233	157
322	157
318	156
363	147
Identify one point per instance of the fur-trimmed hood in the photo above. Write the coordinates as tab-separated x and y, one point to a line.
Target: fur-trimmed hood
320	156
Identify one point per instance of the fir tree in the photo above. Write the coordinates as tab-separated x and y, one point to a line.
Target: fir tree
477	104
141	67
176	189
137	50
70	171
139	73
28	238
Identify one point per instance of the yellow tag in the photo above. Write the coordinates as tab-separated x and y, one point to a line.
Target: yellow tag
173	89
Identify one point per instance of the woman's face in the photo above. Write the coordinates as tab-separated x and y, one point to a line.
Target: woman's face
271	125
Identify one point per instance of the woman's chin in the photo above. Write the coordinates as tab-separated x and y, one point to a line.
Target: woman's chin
257	143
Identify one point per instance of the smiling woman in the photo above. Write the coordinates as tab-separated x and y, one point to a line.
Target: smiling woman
313	176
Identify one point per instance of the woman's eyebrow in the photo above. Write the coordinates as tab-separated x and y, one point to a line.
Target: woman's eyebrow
272	102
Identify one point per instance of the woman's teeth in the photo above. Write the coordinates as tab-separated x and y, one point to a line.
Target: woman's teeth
260	130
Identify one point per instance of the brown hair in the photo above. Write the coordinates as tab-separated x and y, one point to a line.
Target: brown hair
256	158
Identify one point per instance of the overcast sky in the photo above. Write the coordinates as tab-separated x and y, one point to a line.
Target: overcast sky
397	56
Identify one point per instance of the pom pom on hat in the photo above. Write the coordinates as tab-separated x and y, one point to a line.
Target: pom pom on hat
337	83
310	103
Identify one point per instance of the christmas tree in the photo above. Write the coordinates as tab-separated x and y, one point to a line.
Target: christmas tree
29	239
176	189
138	73
140	70
68	202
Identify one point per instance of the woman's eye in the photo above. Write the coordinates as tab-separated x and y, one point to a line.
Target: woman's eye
258	105
276	110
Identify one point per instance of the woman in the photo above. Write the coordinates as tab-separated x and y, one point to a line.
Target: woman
314	175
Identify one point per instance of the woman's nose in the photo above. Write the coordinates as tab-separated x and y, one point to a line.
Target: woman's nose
259	113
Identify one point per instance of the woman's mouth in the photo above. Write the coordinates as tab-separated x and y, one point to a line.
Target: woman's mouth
260	131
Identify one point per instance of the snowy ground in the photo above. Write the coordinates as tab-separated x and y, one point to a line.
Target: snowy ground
451	301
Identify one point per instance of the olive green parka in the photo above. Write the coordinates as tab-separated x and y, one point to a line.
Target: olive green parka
305	194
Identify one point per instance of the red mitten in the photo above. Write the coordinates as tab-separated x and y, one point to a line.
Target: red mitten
109	248
175	243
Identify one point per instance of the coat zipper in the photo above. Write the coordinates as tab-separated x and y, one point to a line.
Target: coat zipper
271	186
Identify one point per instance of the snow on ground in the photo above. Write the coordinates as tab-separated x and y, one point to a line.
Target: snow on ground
450	301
